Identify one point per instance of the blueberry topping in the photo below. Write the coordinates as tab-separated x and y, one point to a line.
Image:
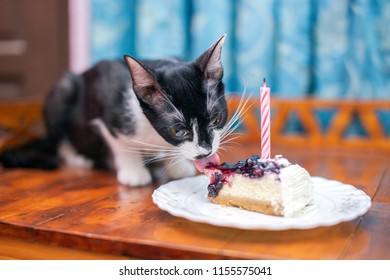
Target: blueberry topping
256	157
216	185
253	167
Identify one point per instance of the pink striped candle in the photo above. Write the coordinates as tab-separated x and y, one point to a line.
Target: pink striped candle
265	114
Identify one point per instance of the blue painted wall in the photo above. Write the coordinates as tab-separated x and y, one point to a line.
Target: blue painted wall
327	48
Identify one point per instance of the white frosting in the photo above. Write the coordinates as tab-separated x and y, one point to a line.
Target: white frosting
279	159
297	189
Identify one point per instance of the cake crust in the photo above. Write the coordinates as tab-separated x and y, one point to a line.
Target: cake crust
261	206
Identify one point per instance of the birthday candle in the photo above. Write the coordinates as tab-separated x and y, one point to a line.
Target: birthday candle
265	121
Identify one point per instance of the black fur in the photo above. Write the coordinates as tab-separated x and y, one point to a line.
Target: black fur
40	154
102	92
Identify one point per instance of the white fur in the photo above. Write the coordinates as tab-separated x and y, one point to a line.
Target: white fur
71	158
129	167
129	164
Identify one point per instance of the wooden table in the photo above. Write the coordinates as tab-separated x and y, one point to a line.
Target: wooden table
86	214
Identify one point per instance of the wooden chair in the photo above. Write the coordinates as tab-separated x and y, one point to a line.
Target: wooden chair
19	122
314	134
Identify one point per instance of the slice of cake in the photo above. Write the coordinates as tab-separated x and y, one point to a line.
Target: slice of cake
273	186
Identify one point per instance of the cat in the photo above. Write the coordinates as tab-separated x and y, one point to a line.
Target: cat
168	109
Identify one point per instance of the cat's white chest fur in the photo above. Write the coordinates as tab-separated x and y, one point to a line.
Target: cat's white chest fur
128	150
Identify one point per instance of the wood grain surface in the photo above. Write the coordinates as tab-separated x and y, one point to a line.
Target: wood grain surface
88	210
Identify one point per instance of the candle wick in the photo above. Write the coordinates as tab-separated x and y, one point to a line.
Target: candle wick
264	83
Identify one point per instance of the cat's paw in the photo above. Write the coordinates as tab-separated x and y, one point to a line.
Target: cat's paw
183	169
134	177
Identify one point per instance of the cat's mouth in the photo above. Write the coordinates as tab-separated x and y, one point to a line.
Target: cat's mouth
201	163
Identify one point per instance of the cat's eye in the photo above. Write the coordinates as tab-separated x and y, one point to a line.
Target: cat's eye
178	132
216	121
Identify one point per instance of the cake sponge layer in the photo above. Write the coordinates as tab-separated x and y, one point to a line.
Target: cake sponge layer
260	195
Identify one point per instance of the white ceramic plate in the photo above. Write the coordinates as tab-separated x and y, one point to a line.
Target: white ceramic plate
334	202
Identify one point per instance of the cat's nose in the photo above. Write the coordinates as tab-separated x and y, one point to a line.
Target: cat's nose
203	155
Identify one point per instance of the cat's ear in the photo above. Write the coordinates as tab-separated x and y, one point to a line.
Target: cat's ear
144	83
210	61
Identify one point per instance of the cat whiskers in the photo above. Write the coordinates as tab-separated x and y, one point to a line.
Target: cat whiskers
155	152
161	157
151	146
228	135
231	140
227	144
236	119
176	160
214	103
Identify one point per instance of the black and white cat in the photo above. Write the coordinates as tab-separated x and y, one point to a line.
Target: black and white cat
168	109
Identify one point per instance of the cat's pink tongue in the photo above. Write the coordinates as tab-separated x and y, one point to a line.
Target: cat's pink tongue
201	163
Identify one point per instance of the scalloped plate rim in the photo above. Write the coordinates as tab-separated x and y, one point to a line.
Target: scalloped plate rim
181	210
